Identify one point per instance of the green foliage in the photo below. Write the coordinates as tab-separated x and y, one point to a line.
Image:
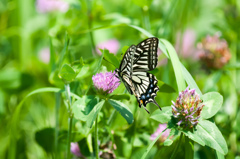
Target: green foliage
213	102
122	109
41	53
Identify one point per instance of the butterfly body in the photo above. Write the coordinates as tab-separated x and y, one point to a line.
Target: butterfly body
133	71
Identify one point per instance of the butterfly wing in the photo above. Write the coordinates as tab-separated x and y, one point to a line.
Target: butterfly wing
145	55
132	72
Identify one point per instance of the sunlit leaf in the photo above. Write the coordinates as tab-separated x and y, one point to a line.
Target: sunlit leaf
167	142
213	102
122	109
211	136
67	73
120	96
163	116
93	114
111	58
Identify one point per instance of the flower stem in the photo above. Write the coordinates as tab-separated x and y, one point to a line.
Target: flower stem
96	138
189	148
57	106
89	14
176	147
70	116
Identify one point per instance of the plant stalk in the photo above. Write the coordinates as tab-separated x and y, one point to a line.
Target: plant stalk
96	138
70	117
57	106
176	147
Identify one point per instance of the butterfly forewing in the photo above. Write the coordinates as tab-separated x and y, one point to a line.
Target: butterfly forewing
145	56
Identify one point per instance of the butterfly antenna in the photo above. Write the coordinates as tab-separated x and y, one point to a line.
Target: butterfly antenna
109	62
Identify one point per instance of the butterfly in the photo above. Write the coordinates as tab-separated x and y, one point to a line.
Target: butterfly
133	71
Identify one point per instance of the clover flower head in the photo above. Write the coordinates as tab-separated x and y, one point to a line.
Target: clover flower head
75	149
45	6
187	108
112	45
164	135
44	55
214	51
106	82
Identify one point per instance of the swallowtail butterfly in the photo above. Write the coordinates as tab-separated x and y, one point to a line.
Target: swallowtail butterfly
133	71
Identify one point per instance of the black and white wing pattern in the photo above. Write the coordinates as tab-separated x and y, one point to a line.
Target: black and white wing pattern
133	71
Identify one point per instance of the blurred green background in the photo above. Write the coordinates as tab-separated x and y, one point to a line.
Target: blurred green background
29	29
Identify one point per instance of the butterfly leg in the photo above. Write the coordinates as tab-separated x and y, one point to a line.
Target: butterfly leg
157	104
146	109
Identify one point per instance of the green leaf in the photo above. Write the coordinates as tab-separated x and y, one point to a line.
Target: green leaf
211	135
141	30
120	96
163	116
99	63
64	51
163	87
87	108
151	145
213	102
83	106
93	114
189	79
45	138
122	109
194	137
111	58
167	142
176	65
220	155
124	49
55	80
67	73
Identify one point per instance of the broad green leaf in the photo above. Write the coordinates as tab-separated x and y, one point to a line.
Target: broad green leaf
111	58
93	114
45	138
67	73
120	96
220	155
176	65
122	109
167	142
211	135
194	137
213	102
163	116
55	80
85	71
83	106
163	87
